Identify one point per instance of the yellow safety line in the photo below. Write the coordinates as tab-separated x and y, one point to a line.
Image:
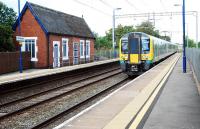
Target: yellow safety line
145	108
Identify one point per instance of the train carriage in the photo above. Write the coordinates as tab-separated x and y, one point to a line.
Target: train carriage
139	51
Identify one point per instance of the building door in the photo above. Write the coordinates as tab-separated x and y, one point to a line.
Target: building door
75	53
56	54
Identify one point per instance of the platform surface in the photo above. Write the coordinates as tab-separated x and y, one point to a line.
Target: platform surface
32	73
116	111
178	106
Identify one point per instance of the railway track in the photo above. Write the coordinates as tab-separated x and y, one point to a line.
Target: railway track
53	100
36	92
45	124
25	84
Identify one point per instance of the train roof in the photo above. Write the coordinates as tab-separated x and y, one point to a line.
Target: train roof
140	33
146	35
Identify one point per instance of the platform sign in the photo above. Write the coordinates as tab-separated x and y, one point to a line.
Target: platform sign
20	39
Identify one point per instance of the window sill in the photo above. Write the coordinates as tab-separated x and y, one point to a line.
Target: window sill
34	59
65	58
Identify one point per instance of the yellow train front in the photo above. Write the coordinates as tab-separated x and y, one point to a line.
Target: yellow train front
139	51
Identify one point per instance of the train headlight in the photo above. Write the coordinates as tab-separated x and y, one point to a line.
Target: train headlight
145	57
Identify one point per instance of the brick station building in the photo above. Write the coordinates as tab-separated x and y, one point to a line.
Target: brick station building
53	38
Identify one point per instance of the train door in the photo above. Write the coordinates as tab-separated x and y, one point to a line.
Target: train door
134	49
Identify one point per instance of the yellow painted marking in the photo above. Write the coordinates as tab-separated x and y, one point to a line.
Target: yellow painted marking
134	58
141	114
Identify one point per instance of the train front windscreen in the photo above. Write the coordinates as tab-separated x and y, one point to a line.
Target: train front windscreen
130	46
124	47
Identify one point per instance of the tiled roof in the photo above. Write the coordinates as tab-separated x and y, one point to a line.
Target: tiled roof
57	22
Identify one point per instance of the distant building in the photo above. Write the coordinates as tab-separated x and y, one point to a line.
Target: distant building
54	38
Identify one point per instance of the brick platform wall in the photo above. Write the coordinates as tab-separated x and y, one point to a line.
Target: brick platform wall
10	61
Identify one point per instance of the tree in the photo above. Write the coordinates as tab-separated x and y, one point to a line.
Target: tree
148	28
198	44
190	43
6	42
119	32
7	19
102	42
7	15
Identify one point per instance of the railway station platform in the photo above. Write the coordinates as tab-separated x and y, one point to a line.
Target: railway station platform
34	73
178	107
171	95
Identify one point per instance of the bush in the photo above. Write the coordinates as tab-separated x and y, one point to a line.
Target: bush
6	41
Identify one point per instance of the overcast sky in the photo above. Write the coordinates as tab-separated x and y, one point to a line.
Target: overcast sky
98	13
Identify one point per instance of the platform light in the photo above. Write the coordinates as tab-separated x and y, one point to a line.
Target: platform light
113	30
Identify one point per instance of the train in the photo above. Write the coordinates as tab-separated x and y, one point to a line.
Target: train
138	52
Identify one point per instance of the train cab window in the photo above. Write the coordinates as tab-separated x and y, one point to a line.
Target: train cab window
134	45
124	46
145	45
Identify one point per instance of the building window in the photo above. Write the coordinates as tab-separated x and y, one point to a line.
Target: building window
75	53
65	49
30	46
87	48
82	49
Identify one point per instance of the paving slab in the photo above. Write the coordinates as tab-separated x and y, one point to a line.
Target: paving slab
178	106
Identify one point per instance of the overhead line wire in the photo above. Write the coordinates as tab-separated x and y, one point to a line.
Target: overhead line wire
131	4
92	7
107	4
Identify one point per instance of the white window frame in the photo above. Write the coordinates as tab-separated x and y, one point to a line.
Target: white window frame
67	49
36	48
82	55
87	43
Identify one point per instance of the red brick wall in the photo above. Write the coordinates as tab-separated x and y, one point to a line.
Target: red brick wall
92	50
10	62
31	28
71	40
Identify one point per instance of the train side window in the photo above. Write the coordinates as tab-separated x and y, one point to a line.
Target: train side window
145	45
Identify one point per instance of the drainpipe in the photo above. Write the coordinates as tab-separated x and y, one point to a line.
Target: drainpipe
48	45
85	50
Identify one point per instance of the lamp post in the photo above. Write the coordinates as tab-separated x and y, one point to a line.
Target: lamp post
113	29
20	51
184	43
184	56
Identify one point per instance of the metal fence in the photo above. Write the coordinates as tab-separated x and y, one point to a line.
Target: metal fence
104	54
99	55
193	54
